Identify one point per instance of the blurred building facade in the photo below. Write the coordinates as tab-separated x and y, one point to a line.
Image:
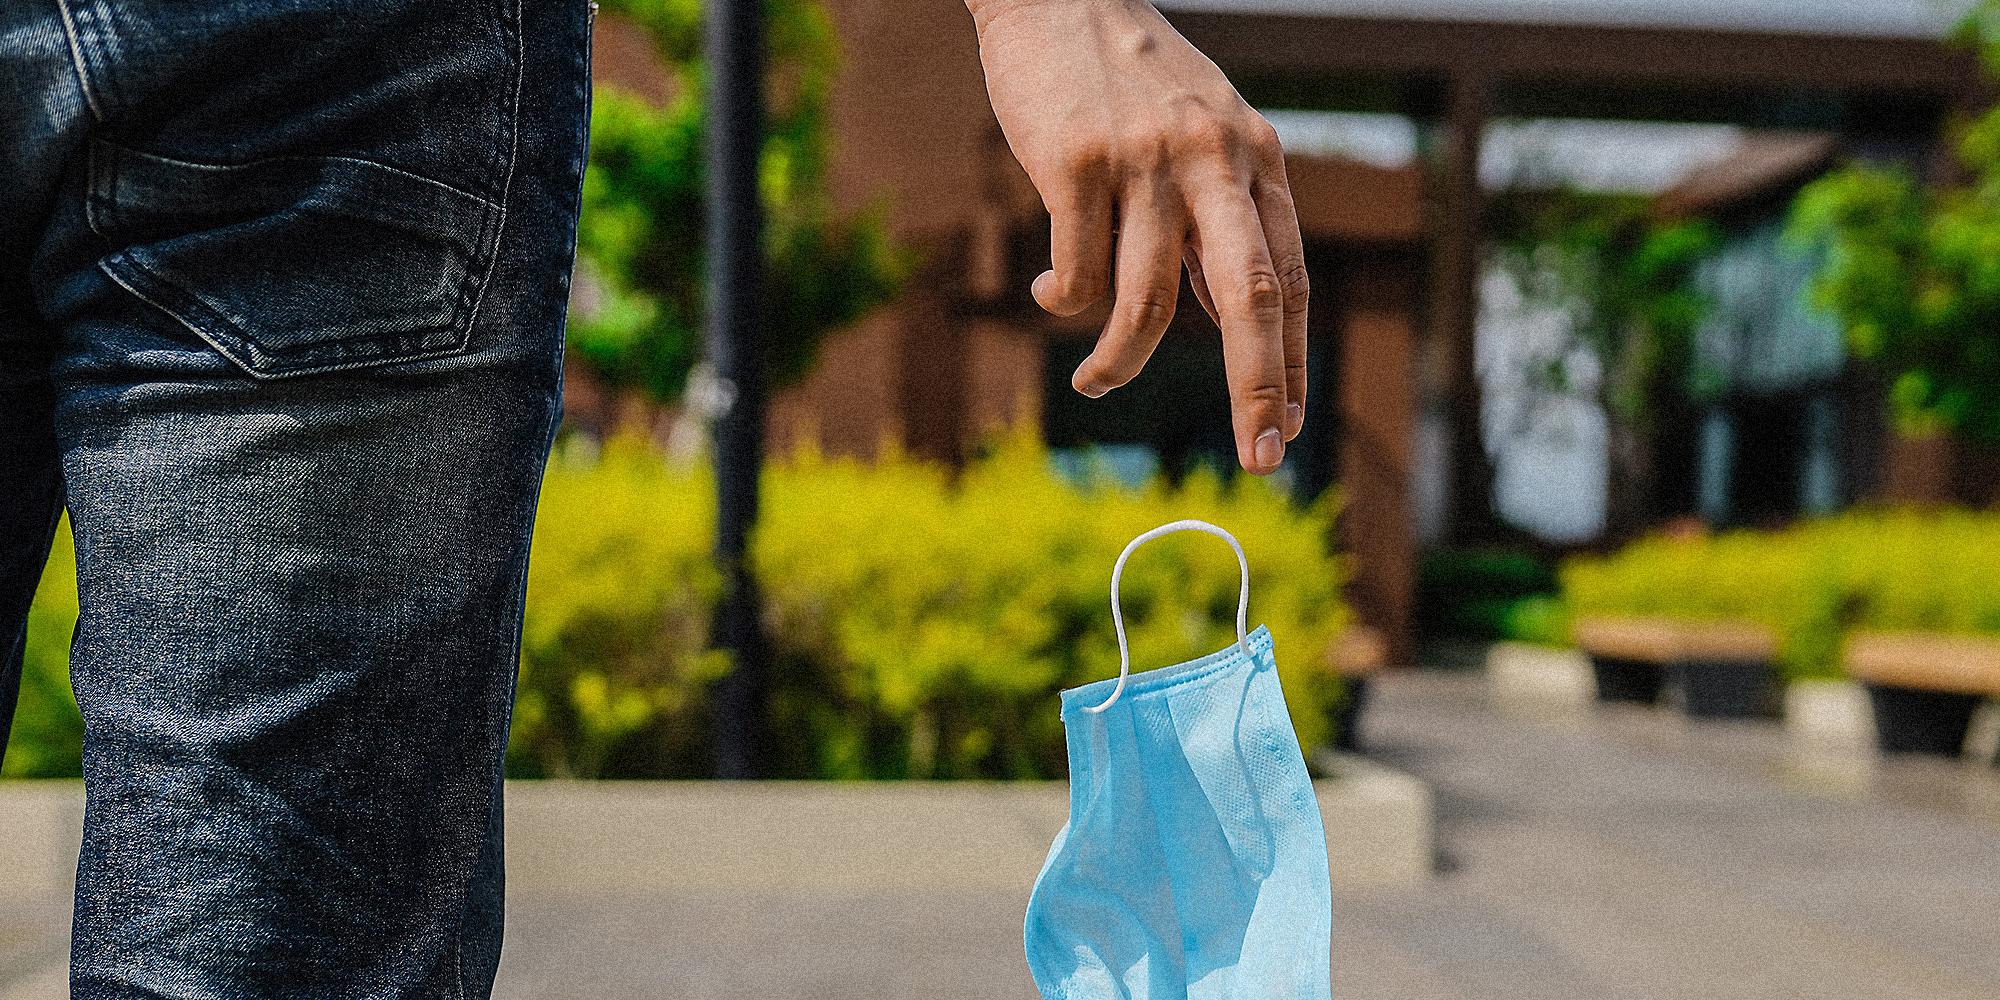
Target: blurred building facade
1393	237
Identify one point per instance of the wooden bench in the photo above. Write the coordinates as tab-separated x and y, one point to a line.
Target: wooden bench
1925	661
1924	686
1723	667
1361	652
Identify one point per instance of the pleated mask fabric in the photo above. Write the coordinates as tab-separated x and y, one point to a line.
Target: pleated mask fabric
1193	865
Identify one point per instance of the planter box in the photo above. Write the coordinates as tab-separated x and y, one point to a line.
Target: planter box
1379	826
1923	686
611	845
1912	720
1628	654
1831	736
1723	668
1359	654
41	824
1829	716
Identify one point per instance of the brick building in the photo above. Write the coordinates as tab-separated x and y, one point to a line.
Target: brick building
1393	250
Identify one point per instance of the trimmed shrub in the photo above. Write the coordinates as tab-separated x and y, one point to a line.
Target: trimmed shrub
1472	593
1542	620
614	646
937	620
47	741
1890	570
922	622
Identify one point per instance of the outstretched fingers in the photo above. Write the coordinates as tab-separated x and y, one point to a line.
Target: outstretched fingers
1080	241
1245	286
1148	287
1279	218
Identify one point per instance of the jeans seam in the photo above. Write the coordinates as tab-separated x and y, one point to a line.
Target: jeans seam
76	58
513	160
248	361
90	190
191	164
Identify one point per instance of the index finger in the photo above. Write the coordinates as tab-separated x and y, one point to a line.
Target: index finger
1249	299
1275	210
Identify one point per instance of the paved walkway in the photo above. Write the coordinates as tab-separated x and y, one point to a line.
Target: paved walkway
1635	854
1629	856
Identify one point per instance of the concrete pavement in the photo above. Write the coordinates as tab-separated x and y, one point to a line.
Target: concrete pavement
710	889
1637	854
1613	855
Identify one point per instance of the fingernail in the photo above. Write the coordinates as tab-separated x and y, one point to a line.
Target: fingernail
1092	389
1295	417
1270	449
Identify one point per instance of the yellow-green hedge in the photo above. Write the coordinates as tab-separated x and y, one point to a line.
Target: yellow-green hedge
922	621
1865	569
48	731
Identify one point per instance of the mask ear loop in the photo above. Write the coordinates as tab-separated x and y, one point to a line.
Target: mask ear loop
1118	616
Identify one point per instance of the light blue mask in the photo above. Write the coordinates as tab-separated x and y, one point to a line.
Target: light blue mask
1194	861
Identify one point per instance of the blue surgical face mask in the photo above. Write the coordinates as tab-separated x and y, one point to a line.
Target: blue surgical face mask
1194	861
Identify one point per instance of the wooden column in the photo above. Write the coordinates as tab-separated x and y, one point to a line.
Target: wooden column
1378	425
1456	309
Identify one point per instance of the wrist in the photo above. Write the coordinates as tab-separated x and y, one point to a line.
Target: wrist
986	12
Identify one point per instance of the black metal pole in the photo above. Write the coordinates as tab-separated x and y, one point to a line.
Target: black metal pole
735	339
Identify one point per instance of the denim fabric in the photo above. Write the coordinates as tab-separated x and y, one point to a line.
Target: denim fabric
281	297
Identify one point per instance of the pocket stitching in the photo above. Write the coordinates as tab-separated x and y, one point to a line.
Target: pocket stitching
302	362
96	170
498	218
138	276
131	273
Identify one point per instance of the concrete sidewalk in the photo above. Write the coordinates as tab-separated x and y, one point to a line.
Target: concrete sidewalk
779	889
1617	855
1637	854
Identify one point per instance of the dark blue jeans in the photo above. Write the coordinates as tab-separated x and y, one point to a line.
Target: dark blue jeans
281	298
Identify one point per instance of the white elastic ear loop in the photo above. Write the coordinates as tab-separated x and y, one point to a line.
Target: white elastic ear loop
1118	616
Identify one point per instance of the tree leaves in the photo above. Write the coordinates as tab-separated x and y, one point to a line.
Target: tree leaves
1625	277
1913	274
638	314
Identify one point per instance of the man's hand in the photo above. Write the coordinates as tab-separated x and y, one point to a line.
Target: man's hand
1148	160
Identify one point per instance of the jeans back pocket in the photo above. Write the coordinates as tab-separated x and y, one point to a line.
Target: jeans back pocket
295	265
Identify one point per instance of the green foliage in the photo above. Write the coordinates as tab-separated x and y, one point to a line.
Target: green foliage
1980	30
1914	277
922	624
1774	579
614	644
1470	593
1542	619
47	740
1913	273
1881	570
641	284
1626	277
1904	570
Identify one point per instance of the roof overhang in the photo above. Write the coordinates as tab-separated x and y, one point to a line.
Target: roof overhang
1443	37
1910	19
